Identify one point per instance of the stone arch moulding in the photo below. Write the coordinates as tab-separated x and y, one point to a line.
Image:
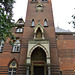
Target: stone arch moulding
30	50
12	61
39	26
38	45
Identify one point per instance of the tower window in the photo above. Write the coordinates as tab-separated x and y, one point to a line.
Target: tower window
16	46
44	0
39	7
19	30
60	72
34	0
1	45
12	68
45	22
32	22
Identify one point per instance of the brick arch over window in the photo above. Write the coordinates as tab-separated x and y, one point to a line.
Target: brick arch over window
12	67
43	48
12	61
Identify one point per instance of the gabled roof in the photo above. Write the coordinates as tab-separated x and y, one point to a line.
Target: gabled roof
60	30
20	22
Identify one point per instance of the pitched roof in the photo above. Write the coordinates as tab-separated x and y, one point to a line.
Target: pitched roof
57	29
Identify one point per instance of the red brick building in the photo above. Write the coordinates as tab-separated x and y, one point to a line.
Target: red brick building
39	47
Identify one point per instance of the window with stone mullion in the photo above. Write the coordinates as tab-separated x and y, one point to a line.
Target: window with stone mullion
19	30
16	48
12	71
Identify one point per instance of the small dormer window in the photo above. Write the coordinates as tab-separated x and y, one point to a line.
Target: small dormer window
19	30
20	21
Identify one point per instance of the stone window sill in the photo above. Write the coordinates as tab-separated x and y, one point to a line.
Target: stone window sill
19	32
0	51
15	52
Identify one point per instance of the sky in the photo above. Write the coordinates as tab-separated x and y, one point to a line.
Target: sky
62	12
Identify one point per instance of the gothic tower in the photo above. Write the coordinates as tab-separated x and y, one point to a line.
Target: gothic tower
39	40
38	48
35	48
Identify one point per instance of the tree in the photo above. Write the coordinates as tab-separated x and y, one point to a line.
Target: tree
73	20
6	20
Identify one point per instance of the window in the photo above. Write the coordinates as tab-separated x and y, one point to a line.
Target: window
1	45
39	7
16	47
60	72
12	68
20	22
33	22
34	0
45	22
12	71
44	0
19	30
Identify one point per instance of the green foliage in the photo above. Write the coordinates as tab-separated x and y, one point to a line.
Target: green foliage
73	20
6	20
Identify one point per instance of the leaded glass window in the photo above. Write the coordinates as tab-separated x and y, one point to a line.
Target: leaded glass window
16	46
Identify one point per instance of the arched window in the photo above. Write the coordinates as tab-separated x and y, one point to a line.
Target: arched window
45	22
1	45
39	7
32	22
34	0
44	0
12	68
16	46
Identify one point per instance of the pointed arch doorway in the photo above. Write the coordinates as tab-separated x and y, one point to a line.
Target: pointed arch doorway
38	62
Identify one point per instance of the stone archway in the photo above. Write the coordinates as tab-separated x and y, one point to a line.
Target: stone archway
38	62
33	51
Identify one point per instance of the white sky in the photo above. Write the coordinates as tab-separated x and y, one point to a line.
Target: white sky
62	10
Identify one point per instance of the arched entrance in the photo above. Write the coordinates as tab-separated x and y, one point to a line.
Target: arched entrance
38	62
